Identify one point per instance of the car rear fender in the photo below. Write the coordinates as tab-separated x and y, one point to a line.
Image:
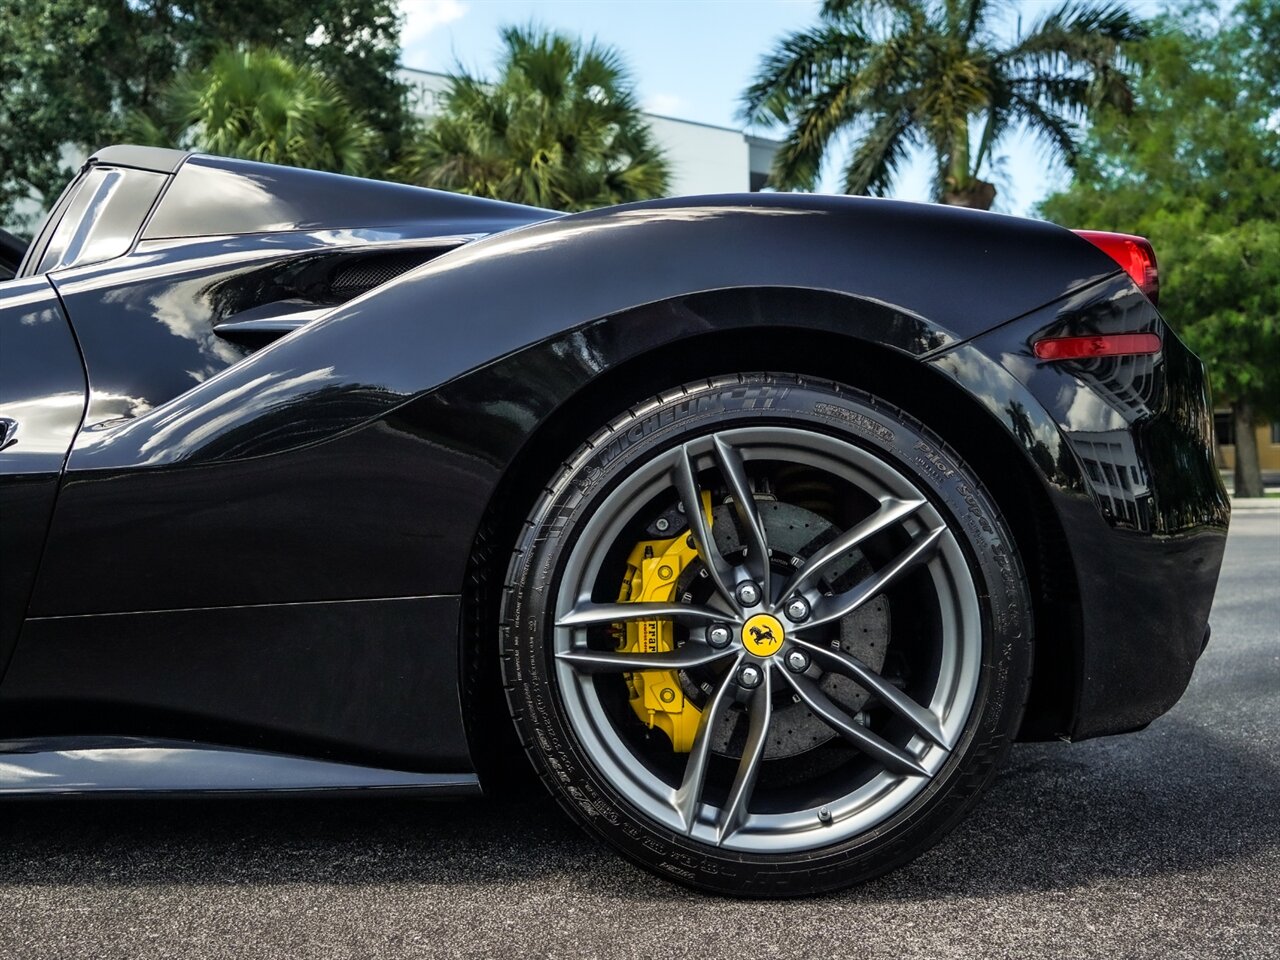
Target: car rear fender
939	276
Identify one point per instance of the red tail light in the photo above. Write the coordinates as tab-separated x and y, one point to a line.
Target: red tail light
1135	256
1104	345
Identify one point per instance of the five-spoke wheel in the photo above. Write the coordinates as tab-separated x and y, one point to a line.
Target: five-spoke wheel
766	637
779	613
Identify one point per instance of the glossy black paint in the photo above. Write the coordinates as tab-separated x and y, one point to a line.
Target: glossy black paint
263	467
101	210
12	251
219	246
243	528
498	295
42	399
369	681
214	196
164	301
1147	540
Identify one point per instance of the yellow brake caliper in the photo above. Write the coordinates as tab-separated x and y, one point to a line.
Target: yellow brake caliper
653	570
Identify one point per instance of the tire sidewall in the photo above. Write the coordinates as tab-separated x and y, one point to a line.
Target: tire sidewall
720	404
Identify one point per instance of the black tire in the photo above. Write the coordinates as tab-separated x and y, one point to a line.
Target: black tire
538	699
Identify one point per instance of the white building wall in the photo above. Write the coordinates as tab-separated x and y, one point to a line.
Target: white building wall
703	159
425	90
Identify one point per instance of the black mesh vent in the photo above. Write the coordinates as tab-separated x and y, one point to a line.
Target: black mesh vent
355	278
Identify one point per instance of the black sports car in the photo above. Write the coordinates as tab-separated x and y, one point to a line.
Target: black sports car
770	520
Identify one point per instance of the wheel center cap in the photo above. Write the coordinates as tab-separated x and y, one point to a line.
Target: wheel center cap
762	635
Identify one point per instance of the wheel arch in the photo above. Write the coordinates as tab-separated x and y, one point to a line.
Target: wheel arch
891	374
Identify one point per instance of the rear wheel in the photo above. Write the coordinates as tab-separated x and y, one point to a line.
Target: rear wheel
766	636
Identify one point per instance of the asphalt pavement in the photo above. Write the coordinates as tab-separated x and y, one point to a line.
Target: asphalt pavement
1164	843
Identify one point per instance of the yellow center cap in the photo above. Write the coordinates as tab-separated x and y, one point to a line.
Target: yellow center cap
762	635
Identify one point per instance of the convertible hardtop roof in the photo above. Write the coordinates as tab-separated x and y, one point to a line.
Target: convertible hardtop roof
155	159
210	195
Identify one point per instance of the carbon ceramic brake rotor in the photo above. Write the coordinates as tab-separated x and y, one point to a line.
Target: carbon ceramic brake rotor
795	532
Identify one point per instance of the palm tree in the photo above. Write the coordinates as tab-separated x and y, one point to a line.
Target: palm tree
259	105
893	75
559	128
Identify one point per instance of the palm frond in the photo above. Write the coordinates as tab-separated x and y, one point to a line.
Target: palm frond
1069	96
868	91
801	64
995	125
845	11
1052	129
875	86
798	162
1078	34
259	105
966	18
876	159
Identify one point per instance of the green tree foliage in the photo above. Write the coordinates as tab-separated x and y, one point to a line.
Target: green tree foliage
893	75
73	71
559	128
1196	168
259	105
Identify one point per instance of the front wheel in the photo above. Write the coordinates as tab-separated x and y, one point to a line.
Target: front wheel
767	636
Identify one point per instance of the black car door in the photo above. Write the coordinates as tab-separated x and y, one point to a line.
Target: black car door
42	400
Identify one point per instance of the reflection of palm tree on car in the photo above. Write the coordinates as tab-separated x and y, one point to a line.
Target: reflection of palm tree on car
1024	429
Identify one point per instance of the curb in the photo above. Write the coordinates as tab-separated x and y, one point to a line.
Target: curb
1255	505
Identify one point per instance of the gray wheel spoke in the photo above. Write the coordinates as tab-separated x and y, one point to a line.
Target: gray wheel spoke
891	511
593	613
892	758
736	803
689	796
613	661
744	506
843	604
759	711
923	719
685	476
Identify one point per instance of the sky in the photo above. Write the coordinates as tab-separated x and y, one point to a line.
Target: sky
691	59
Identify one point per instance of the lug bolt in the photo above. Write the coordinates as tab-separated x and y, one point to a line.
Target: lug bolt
750	676
748	594
719	635
798	661
797	610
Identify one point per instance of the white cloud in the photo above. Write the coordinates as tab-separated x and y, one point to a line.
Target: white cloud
666	104
422	17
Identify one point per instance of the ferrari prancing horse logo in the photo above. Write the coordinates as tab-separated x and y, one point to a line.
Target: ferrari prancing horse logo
762	635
